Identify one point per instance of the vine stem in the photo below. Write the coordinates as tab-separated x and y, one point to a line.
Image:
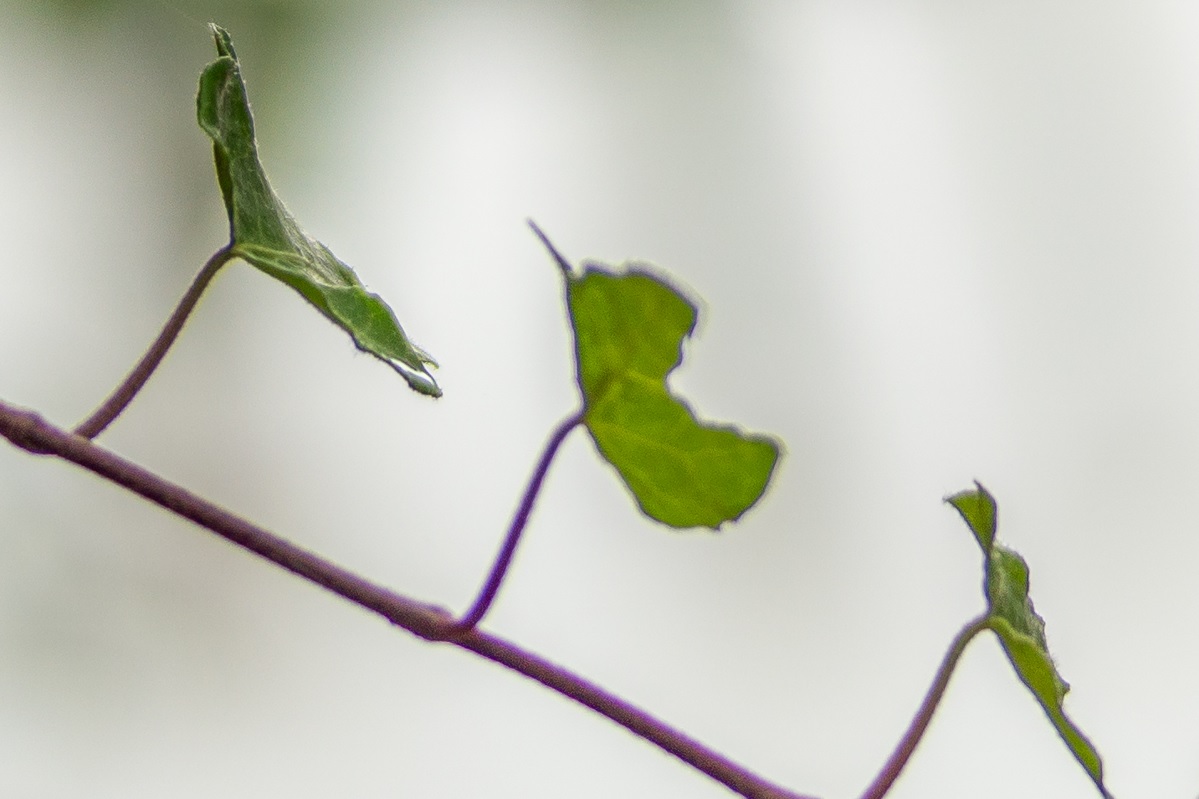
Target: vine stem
120	398
899	758
504	559
27	430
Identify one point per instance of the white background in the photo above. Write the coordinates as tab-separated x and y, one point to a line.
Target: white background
934	241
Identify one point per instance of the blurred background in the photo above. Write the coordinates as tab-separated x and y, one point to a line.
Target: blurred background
934	242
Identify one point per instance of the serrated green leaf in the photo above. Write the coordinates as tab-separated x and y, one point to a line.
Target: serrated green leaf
1020	629
265	235
629	331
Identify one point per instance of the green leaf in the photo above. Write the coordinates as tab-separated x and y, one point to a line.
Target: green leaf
265	235
978	509
1020	630
629	331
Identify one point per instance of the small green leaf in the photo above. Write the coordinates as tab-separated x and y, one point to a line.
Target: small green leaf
978	509
1020	630
266	236
629	331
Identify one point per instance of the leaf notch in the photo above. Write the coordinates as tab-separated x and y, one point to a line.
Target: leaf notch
629	326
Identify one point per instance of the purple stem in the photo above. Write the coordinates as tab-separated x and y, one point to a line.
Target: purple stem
563	264
128	389
899	758
504	559
30	432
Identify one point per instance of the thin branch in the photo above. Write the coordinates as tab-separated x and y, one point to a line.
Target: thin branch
907	744
30	432
504	559
128	389
637	721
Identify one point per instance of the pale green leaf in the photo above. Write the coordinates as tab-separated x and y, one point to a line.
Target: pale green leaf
1020	629
629	331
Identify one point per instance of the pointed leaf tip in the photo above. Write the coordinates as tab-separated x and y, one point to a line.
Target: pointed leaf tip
265	235
561	261
1021	631
629	331
224	43
979	511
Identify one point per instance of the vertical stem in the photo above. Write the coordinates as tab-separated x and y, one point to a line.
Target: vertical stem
120	398
504	559
899	758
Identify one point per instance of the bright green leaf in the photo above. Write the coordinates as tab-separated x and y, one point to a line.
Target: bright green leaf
266	236
1020	630
629	331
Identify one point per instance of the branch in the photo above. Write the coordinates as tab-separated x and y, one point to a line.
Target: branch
504	559
30	432
120	398
907	744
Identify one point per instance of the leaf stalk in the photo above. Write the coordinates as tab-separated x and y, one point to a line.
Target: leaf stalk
504	559
120	398
907	745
